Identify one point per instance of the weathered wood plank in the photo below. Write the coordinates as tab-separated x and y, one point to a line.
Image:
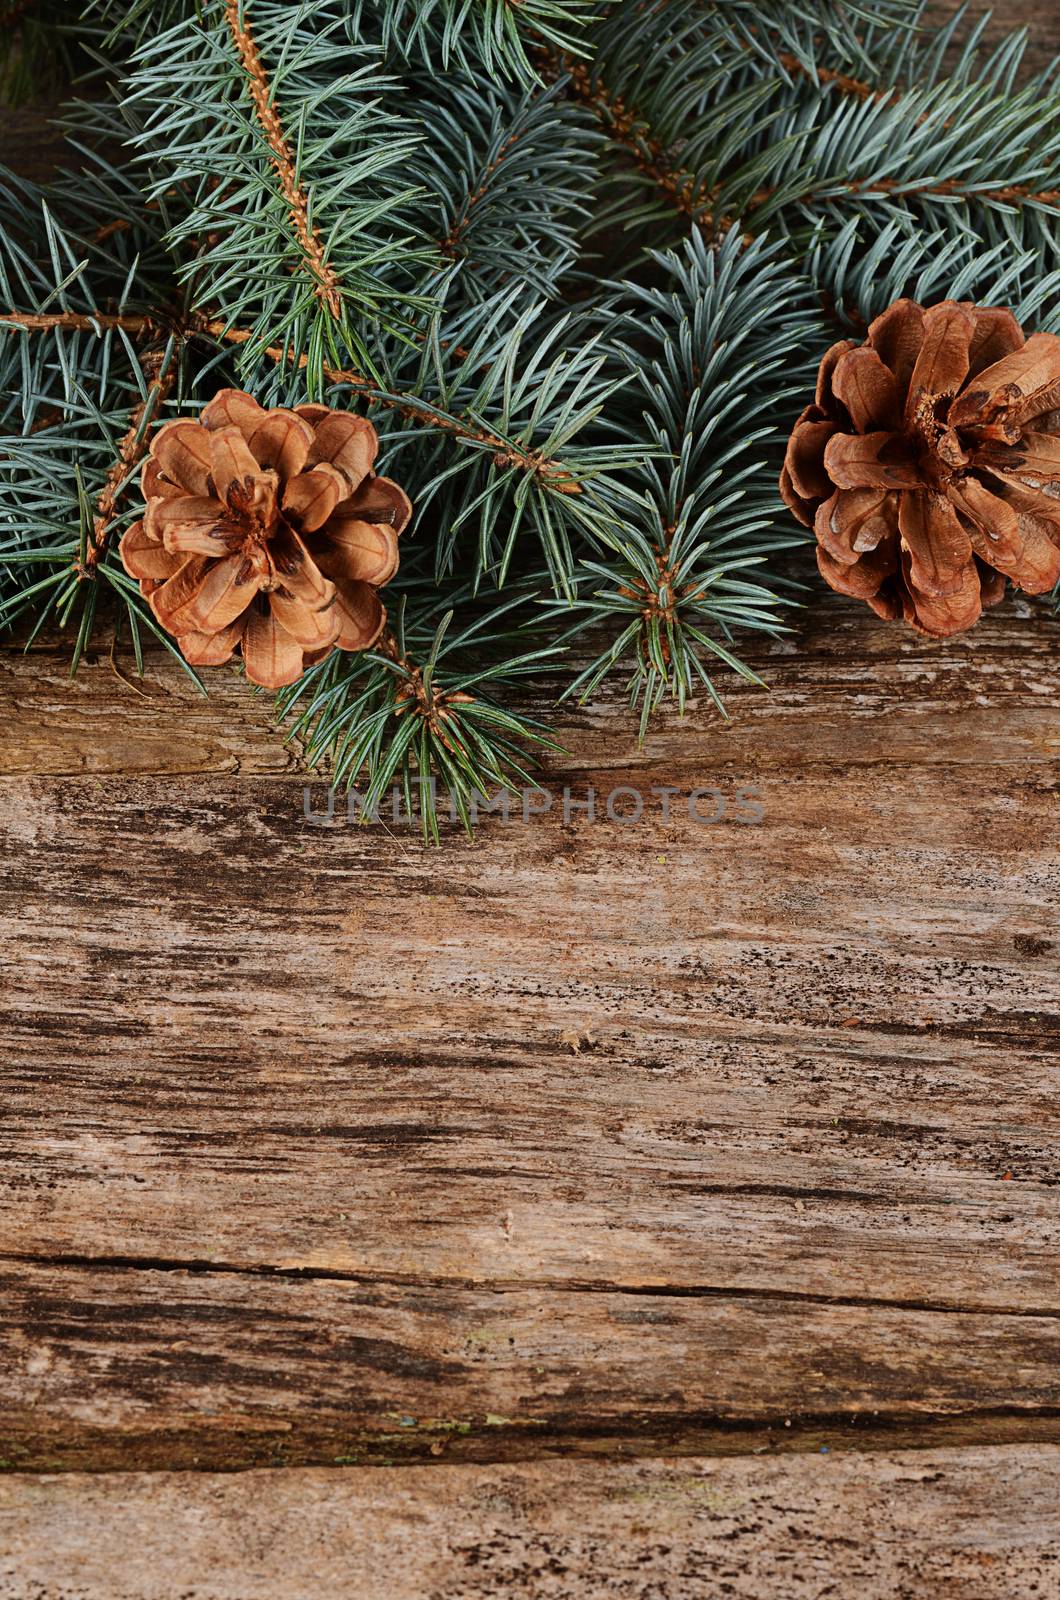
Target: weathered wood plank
1040	17
777	1056
845	690
952	1524
713	1106
123	1367
692	1078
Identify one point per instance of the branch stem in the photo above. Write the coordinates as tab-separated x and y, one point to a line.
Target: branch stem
554	474
326	283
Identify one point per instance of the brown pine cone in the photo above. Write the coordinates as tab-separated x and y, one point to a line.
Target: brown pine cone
266	530
929	464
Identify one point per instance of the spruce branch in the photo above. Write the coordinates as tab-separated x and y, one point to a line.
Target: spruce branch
285	173
419	709
131	451
706	352
325	287
719	137
494	38
553	473
510	178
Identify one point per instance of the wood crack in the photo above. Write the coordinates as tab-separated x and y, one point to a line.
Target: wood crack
238	1443
203	1267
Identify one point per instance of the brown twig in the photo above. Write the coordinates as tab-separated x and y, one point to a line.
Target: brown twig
413	696
1012	194
648	154
326	283
76	321
828	76
131	449
448	245
553	473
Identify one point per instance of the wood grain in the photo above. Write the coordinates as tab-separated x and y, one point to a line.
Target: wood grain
109	1367
950	1524
807	1066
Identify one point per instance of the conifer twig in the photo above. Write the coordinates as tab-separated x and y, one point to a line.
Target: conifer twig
829	76
553	473
615	117
131	449
679	186
448	245
77	322
326	282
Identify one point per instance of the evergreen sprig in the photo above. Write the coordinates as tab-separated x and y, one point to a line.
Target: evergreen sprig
715	362
575	258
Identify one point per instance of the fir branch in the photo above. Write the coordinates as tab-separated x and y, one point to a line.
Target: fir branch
557	477
509	178
461	222
302	236
940	189
419	707
326	287
717	135
552	473
625	128
131	451
494	37
706	353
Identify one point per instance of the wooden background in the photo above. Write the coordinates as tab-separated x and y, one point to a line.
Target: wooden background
664	1211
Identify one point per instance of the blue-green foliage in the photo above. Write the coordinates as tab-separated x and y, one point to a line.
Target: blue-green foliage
584	257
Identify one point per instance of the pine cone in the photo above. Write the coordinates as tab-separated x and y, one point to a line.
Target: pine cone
266	530
929	464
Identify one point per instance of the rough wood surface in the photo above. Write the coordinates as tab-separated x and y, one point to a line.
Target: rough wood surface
950	1525
780	1099
108	1367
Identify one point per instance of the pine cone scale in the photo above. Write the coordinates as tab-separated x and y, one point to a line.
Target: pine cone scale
271	655
169	599
942	365
210	649
283	442
222	591
313	630
145	559
181	450
855	461
939	549
266	531
360	551
869	391
299	573
193	525
361	616
929	463
235	468
312	497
